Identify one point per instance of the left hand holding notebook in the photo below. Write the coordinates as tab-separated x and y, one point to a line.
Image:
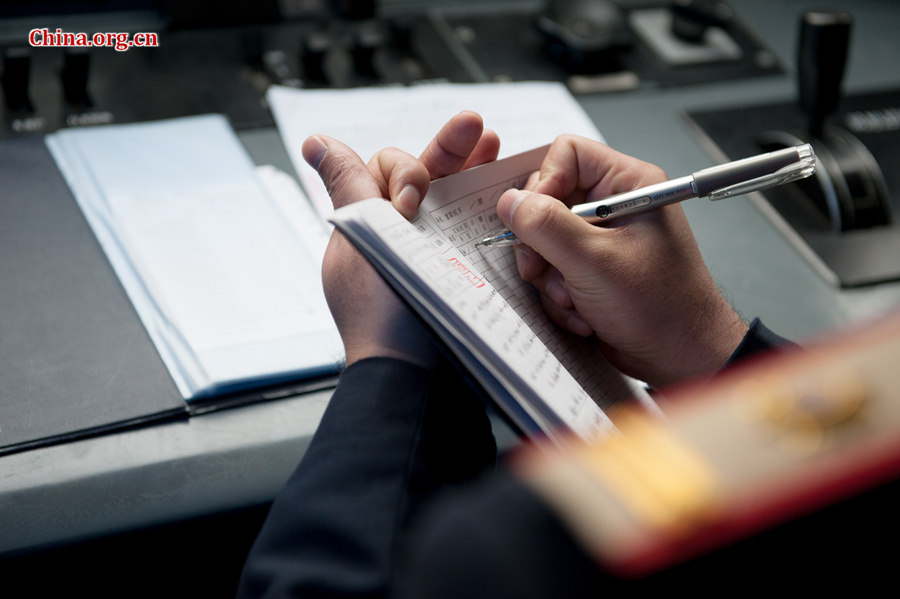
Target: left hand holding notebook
372	321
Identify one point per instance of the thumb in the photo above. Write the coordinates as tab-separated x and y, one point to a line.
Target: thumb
547	226
343	172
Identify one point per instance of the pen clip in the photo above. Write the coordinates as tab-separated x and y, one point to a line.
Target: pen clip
804	167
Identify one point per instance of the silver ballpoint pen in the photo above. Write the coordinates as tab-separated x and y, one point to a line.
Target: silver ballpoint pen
717	183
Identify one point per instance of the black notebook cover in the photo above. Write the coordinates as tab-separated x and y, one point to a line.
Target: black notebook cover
75	359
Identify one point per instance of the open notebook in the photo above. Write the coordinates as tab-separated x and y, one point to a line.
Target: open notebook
547	381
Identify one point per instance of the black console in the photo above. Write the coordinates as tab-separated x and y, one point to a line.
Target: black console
223	66
222	56
601	47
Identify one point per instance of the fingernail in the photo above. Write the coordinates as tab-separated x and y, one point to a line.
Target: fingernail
508	209
579	326
558	293
314	150
408	199
523	252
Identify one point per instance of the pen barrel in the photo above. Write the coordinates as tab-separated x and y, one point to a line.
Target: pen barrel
637	201
719	177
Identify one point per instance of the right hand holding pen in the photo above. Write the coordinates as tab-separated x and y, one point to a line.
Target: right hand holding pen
640	284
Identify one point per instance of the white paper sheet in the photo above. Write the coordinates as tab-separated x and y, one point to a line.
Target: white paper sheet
524	114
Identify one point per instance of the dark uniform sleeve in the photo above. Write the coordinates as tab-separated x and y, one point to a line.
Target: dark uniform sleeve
500	540
370	511
392	436
758	340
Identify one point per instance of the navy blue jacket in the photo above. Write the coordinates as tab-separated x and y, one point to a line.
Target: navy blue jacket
398	495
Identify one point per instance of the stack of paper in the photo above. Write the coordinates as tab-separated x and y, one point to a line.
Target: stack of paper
222	264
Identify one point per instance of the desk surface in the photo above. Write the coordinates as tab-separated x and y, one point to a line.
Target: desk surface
240	457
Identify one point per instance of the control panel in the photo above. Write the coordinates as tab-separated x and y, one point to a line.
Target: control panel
62	71
843	220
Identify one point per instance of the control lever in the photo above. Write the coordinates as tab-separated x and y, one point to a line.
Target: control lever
584	36
691	18
849	187
368	38
16	78
74	77
315	48
357	9
821	60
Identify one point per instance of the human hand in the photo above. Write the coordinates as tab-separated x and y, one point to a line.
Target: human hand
639	283
371	319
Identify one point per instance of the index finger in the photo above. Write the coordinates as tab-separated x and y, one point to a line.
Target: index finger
461	143
577	167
